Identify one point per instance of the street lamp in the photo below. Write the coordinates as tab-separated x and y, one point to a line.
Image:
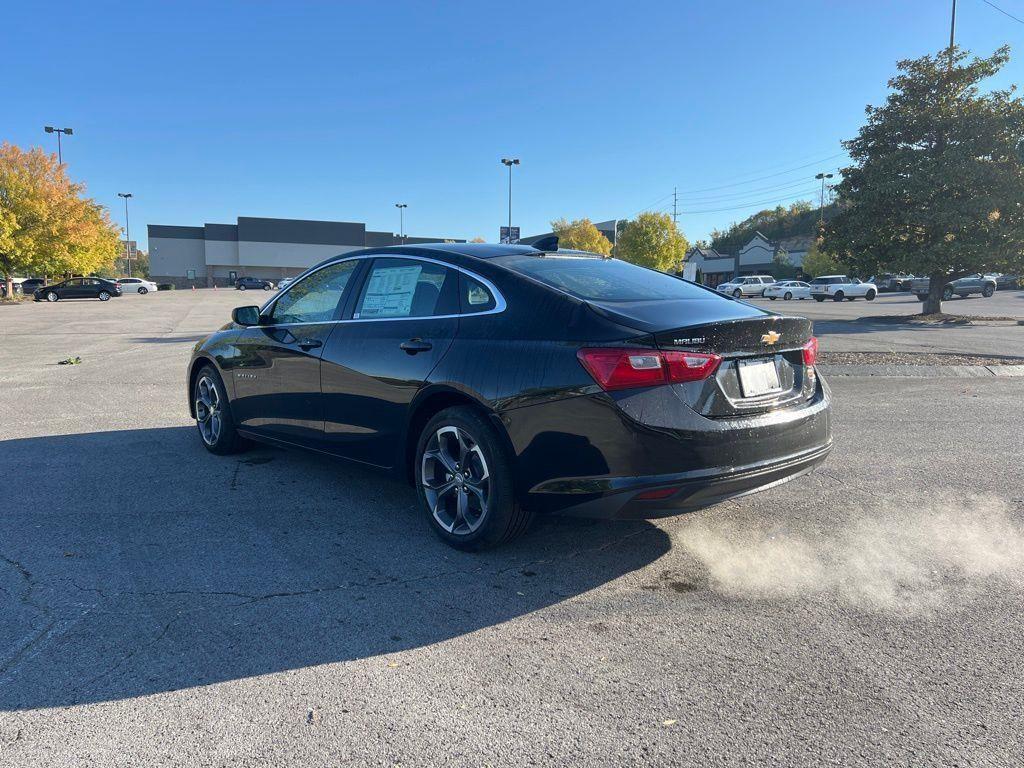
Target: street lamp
58	131
821	204
401	220
127	233
510	163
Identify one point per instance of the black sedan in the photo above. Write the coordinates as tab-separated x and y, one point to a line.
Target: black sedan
79	288
506	380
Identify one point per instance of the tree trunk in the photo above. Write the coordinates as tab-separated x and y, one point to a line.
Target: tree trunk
936	285
9	284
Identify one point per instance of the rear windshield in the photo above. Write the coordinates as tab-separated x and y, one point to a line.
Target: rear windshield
602	279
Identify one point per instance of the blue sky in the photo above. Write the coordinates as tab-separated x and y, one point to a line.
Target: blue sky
208	111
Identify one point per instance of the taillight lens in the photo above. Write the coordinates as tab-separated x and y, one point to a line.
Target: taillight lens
617	368
811	351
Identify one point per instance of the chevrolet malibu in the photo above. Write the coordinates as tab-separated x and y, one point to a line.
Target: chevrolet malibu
507	381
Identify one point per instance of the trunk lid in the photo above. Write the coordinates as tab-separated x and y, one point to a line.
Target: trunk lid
743	335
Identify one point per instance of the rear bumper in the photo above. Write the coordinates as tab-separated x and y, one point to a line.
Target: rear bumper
691	491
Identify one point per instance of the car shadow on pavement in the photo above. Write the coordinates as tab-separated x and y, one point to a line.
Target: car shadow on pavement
140	564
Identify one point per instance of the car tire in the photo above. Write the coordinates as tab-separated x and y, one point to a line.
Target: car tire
143	290
947	294
241	287
851	298
213	414
787	296
870	295
987	291
819	299
52	296
839	296
462	439
104	296
737	294
770	298
266	287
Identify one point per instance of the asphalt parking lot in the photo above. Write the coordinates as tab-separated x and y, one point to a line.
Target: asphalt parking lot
163	606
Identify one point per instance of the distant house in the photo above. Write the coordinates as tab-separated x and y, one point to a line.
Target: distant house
708	266
760	256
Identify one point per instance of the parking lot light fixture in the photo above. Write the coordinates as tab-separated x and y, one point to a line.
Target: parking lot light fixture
401	220
58	131
821	202
510	162
127	233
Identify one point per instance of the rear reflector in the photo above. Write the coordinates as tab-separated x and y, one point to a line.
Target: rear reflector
657	493
811	351
624	368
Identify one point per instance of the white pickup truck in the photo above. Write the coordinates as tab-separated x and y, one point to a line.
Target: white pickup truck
839	287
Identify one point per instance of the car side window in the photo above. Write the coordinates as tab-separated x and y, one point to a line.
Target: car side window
314	299
474	296
405	288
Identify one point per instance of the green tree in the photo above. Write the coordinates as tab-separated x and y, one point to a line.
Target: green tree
937	185
652	240
581	235
46	225
799	218
782	266
817	262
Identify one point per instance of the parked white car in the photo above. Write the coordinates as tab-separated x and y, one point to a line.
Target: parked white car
135	285
839	287
284	282
751	285
788	289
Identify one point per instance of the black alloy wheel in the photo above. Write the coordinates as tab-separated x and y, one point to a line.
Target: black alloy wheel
213	414
464	481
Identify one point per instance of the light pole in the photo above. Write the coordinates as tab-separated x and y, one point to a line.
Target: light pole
58	131
127	233
401	220
510	163
821	204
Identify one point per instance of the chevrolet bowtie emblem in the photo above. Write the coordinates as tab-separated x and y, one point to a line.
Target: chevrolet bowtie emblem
771	337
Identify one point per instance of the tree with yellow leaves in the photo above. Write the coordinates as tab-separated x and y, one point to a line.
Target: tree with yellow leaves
47	225
580	235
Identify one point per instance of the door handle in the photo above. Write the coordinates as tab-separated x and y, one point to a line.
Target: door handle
412	346
308	344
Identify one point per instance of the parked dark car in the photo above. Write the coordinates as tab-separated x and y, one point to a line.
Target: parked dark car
504	381
31	285
79	288
892	282
1006	282
253	283
965	286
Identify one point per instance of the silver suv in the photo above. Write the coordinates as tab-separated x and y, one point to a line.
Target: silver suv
751	285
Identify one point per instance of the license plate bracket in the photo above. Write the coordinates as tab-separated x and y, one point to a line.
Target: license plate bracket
758	377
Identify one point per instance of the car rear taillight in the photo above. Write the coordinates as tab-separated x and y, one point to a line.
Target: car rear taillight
618	368
811	351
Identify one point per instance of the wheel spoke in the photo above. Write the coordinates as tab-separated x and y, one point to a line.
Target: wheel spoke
440	456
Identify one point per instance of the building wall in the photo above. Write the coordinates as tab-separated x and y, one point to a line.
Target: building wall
173	251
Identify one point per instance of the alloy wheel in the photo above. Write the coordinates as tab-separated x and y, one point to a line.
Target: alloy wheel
208	413
51	296
456	480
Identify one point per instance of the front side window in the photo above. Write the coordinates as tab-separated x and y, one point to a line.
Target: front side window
314	299
402	288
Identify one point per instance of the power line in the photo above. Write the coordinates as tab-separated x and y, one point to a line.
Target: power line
768	176
1005	13
752	204
747	192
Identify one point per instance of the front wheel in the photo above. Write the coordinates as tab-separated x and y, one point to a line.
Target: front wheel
266	287
213	414
241	287
737	293
987	291
839	296
947	294
819	299
52	296
870	296
464	481
771	298
143	290
788	296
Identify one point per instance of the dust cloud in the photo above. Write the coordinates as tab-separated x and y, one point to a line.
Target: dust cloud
890	558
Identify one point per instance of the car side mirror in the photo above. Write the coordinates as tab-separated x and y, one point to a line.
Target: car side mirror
246	315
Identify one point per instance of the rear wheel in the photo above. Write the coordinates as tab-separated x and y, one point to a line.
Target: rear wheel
870	296
947	294
213	416
987	291
839	296
464	481
788	296
241	287
266	286
819	298
104	296
770	298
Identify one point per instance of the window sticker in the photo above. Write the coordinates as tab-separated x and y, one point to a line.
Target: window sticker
390	291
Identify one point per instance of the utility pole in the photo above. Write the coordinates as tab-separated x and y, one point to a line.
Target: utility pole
510	163
952	33
127	233
675	210
821	204
58	131
401	220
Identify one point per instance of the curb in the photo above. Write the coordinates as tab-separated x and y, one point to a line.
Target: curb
923	371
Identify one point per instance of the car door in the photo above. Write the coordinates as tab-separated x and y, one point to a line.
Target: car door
276	366
73	288
402	322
